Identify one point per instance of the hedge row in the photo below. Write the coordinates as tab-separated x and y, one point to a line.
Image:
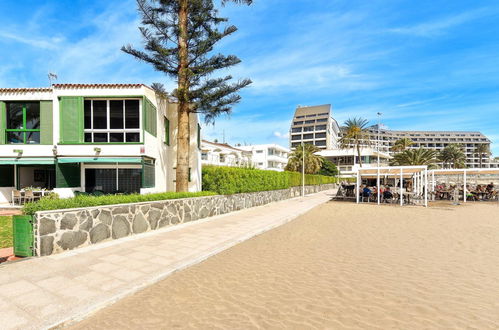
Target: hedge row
234	180
48	203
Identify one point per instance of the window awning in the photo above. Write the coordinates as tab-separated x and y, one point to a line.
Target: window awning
128	160
27	161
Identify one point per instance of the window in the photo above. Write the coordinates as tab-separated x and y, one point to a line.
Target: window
320	127
222	158
298	123
112	180
308	128
23	122
167	131
309	121
308	136
296	130
259	151
204	156
321	120
112	121
295	137
320	143
320	135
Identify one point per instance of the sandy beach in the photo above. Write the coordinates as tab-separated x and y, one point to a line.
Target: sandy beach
340	266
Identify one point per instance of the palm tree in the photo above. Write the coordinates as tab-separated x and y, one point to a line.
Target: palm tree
453	155
415	157
313	162
481	150
355	135
402	144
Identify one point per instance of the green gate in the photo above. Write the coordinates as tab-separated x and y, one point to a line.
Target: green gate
23	235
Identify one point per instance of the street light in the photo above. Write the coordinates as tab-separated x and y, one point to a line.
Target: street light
302	169
379	123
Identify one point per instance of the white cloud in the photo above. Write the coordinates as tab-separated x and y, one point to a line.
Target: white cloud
280	135
438	27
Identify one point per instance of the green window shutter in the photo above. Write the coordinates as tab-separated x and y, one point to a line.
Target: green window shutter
23	235
7	176
3	118
167	131
71	119
46	129
67	175
148	175
150	121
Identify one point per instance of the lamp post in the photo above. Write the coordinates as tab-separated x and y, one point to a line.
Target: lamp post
377	144
302	169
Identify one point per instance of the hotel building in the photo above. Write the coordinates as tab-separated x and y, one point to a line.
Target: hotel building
268	156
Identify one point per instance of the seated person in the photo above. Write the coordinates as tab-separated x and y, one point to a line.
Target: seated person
366	192
490	187
387	195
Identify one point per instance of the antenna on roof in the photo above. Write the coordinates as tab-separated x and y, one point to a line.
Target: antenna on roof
52	76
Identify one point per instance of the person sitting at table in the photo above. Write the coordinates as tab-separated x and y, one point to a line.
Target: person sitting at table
366	193
490	187
387	195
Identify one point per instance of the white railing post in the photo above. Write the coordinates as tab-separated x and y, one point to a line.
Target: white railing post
401	187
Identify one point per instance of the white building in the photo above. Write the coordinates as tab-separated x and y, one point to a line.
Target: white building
347	160
222	154
91	137
268	156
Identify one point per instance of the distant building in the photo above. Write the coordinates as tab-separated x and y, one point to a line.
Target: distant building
314	125
434	140
268	156
222	154
347	160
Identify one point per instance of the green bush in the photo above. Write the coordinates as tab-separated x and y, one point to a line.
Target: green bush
46	204
234	180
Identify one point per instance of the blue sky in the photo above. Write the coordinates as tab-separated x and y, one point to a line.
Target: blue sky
426	65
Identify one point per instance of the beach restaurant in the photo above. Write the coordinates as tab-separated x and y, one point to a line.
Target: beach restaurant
406	184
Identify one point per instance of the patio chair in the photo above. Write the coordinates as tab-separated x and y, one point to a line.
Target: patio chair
29	196
16	194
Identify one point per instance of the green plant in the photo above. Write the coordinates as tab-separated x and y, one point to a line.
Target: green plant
232	180
415	157
45	204
355	135
328	168
5	232
313	162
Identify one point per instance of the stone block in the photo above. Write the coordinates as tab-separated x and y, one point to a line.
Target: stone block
72	239
121	210
140	224
106	217
47	226
121	227
153	218
99	233
68	221
46	245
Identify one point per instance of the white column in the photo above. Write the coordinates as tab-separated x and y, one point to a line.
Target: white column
377	187
357	187
464	186
426	187
401	186
433	184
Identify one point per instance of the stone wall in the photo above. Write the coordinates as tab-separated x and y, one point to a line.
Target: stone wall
61	230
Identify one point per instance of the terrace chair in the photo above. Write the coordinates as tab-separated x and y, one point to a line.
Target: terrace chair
16	195
29	196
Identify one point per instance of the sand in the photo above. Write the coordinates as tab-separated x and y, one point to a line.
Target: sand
340	266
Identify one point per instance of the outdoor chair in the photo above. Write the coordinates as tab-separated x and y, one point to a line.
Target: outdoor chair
29	196
16	195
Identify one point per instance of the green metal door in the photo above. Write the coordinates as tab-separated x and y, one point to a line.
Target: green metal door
23	235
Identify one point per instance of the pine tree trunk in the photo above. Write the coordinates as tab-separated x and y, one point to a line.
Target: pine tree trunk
182	172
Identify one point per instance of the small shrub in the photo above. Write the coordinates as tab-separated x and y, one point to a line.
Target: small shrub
50	203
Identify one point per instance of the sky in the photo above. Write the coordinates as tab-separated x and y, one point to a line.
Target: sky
425	65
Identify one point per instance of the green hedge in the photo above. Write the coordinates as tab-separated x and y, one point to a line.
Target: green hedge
234	180
46	204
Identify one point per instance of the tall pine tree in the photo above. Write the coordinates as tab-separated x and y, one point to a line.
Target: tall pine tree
179	37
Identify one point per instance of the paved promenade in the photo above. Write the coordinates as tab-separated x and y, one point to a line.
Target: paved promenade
49	291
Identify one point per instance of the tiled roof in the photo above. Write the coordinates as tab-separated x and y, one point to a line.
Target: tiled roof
25	90
85	86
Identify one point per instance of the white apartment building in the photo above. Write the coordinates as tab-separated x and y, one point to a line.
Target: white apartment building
435	140
314	125
347	160
222	154
268	156
112	138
